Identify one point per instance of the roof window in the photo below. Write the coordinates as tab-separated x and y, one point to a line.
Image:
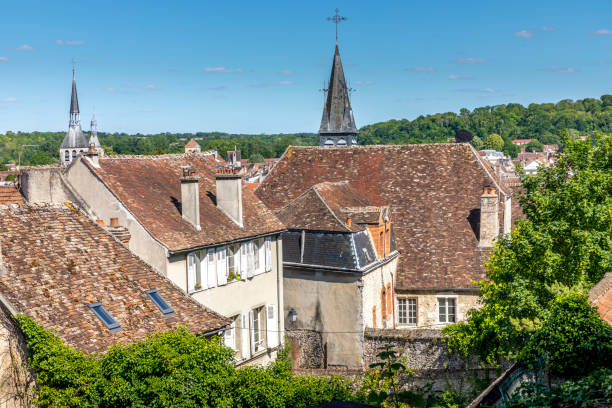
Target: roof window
157	298
105	317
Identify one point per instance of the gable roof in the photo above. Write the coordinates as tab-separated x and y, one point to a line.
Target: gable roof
149	187
601	297
57	262
192	143
326	207
10	195
433	191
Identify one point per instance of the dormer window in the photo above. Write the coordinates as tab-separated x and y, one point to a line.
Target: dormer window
105	317
160	302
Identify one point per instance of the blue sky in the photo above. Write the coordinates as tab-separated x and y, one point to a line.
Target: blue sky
256	67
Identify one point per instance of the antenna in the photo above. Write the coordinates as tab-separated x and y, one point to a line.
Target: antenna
337	19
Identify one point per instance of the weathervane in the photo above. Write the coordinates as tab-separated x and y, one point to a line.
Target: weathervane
336	19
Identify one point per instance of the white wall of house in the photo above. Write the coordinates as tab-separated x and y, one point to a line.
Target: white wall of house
373	284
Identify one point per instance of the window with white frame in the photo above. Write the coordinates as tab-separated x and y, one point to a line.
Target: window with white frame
257	250
221	265
233	262
447	309
257	320
268	254
407	311
229	336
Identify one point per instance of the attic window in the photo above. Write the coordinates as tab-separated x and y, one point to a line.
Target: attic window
157	298
105	317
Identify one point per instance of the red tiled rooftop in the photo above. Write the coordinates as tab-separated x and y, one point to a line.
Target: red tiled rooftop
433	192
601	297
57	261
149	187
192	143
10	195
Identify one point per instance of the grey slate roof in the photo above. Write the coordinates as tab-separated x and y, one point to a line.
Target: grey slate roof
74	100
337	112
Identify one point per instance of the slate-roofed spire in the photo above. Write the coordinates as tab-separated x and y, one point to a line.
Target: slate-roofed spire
93	139
337	125
74	137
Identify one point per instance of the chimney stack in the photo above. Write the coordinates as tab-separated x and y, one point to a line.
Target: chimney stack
93	155
489	217
190	196
229	192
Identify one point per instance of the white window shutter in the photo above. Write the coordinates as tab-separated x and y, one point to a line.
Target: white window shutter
211	270
243	259
203	269
272	329
191	271
262	256
244	337
236	248
268	254
252	330
229	336
250	263
221	266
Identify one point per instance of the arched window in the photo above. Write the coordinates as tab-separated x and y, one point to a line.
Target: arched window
383	303
80	151
74	154
66	155
341	142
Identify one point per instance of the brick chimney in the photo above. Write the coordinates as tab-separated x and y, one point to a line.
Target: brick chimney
93	155
229	192
121	233
190	196
489	217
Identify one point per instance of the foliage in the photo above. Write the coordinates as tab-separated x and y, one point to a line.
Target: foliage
10	177
564	241
171	369
573	339
593	390
493	142
257	158
534	146
3	167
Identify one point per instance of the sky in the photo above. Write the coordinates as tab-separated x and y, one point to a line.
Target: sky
257	67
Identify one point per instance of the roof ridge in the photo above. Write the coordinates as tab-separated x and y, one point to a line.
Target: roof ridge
157	156
329	208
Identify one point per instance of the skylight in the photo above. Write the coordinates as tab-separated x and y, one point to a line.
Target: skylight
156	297
105	317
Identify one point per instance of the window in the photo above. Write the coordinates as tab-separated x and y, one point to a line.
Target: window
383	303
389	299
251	258
221	265
374	316
407	311
229	336
256	258
197	271
257	320
66	155
157	298
446	310
74	154
268	254
105	317
233	262
244	263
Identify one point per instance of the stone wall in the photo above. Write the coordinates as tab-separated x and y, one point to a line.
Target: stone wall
307	351
427	305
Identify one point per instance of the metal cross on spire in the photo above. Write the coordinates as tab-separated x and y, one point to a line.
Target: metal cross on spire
336	19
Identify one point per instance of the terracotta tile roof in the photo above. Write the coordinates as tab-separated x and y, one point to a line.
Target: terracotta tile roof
149	187
432	191
601	297
192	143
10	195
326	207
57	261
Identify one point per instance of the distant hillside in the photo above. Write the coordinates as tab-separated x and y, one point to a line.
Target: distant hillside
543	122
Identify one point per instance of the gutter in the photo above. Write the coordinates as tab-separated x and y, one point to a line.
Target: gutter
340	269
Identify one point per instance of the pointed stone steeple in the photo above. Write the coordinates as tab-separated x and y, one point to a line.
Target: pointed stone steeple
74	142
93	139
337	125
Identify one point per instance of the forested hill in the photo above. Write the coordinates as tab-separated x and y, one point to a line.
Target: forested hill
543	122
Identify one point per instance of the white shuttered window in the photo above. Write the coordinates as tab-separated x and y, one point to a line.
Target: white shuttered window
229	336
221	266
271	327
191	271
212	270
268	254
243	259
250	258
244	337
202	277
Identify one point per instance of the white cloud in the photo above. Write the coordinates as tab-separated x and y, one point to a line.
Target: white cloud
9	100
61	42
559	69
111	89
549	28
268	84
488	90
423	69
3	59
364	83
149	87
456	77
25	47
523	34
287	72
470	60
222	69
602	32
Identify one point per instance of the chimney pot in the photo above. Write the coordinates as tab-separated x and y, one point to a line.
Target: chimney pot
114	222
100	222
349	222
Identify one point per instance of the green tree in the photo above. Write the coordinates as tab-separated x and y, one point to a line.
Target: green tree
534	146
563	241
476	142
3	167
257	158
494	142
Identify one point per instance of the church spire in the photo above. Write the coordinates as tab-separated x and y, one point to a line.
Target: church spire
74	142
338	124
74	103
93	139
